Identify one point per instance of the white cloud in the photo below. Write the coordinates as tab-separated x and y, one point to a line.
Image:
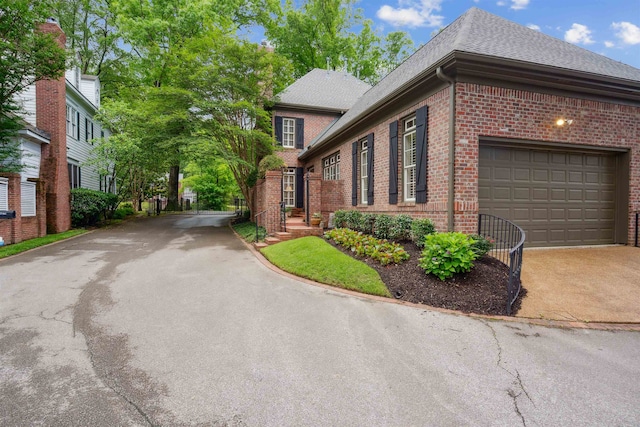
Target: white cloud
627	32
476	1
578	34
534	27
519	4
609	44
501	3
412	13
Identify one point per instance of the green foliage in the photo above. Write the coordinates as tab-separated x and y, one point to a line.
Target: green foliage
366	223
382	228
401	228
447	254
247	230
353	219
26	245
88	205
340	218
481	245
123	211
421	228
315	259
213	182
272	162
364	245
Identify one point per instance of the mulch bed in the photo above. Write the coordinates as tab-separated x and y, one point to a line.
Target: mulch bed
483	290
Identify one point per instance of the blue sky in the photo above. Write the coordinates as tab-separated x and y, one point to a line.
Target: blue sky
607	27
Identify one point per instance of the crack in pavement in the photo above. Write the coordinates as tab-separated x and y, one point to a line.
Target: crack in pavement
517	378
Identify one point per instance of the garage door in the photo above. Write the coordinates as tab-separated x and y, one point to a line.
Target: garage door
558	197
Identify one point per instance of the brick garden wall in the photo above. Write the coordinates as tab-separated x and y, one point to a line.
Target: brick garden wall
484	111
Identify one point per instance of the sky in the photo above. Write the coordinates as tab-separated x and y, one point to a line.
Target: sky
607	27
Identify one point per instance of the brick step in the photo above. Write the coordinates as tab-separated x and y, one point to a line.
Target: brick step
271	240
303	231
259	245
283	235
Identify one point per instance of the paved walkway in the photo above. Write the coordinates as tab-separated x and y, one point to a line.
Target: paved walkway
595	284
172	321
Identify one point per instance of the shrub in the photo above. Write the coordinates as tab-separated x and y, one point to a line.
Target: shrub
481	245
271	162
88	205
421	228
353	219
126	208
340	218
119	214
366	223
401	228
446	254
380	250
382	226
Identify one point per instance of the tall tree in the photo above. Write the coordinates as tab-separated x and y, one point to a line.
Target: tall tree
27	55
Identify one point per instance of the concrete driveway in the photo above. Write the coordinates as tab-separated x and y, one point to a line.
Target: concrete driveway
172	321
590	284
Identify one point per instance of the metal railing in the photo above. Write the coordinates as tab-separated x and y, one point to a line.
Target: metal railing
508	245
272	218
636	242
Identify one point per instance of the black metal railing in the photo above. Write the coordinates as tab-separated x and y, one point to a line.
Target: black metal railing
270	219
508	246
636	242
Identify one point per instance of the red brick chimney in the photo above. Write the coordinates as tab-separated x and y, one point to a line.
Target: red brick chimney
51	112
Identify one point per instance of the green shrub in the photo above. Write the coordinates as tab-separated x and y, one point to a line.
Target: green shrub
271	162
366	223
401	228
364	245
446	254
382	226
88	205
126	208
481	245
118	214
340	218
421	228
353	219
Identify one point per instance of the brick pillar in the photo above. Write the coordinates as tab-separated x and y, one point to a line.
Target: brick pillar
41	206
11	229
315	194
272	196
51	117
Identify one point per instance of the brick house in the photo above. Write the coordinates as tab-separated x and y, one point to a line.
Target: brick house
55	143
491	117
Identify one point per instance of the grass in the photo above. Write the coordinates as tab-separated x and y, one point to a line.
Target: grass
17	248
315	259
247	230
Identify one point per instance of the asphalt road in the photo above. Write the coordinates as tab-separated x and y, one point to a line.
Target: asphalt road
172	321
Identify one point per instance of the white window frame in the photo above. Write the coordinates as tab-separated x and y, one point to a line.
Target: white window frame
331	167
73	122
289	187
4	194
409	146
288	132
28	198
73	182
364	175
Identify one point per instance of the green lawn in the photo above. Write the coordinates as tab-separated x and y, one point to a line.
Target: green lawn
17	248
315	259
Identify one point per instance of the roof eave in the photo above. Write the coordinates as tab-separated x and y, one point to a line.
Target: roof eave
312	108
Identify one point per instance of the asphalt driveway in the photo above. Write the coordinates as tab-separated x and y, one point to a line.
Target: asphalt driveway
172	321
587	284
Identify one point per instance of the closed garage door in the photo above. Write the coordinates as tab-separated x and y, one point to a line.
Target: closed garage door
558	197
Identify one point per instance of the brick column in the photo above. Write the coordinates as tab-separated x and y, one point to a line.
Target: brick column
272	197
41	206
51	111
315	194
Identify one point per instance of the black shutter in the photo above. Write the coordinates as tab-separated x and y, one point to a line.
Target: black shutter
393	163
299	187
300	134
79	183
78	128
279	130
354	174
370	169
421	155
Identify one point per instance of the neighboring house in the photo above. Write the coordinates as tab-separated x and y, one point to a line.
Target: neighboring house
488	117
56	144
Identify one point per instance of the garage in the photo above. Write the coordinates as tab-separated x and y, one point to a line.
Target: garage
559	196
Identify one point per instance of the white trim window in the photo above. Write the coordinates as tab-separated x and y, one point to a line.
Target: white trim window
331	167
364	175
73	119
409	160
28	198
288	133
289	187
75	175
4	194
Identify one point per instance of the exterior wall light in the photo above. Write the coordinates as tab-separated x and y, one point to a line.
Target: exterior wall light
563	122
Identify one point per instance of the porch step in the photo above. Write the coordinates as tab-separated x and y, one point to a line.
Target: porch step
259	245
283	235
303	231
271	240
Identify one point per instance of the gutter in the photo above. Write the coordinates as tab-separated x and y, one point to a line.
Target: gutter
452	145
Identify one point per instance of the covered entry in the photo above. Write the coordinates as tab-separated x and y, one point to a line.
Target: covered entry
559	196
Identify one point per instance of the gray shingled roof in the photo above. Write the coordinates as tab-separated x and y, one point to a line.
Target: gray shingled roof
480	32
324	89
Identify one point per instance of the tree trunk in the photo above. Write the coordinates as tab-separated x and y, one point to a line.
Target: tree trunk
172	190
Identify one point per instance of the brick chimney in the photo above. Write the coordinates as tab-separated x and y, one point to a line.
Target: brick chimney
51	111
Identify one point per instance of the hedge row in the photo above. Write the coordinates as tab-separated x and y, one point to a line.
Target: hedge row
397	227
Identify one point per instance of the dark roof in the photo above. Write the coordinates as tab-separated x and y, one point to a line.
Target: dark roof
490	36
323	89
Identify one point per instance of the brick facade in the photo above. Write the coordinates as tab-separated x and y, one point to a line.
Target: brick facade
23	228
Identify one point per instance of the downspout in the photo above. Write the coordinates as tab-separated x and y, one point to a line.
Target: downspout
452	145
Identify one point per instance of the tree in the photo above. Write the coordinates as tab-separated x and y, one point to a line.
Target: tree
213	182
28	55
334	31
